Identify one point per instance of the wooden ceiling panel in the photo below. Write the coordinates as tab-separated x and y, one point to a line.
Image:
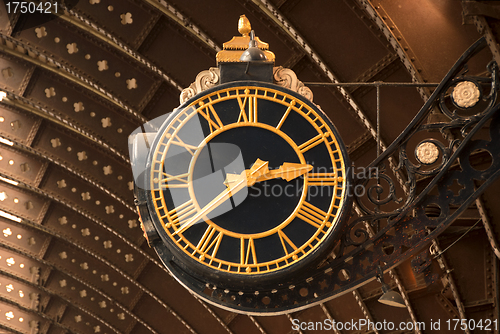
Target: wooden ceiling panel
164	101
277	324
469	253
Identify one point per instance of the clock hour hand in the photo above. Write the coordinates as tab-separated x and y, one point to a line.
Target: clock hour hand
238	181
288	171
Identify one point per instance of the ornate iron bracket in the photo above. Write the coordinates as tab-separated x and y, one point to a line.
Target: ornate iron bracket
390	229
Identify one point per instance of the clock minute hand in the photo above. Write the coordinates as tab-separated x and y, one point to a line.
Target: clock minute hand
234	183
235	186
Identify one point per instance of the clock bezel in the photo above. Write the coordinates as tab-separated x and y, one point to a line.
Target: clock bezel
237	279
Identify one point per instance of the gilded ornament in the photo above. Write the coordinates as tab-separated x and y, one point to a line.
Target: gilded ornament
244	26
233	49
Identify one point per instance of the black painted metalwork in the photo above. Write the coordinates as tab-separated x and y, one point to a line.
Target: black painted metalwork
403	224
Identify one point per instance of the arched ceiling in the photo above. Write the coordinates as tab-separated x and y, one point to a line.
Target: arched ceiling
73	257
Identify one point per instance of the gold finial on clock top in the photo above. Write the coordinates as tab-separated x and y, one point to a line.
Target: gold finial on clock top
244	26
233	49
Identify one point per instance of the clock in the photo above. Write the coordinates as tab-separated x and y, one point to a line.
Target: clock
246	184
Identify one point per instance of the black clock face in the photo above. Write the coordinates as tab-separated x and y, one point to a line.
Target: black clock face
248	179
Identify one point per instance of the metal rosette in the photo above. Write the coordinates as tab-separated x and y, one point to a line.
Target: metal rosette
466	94
427	152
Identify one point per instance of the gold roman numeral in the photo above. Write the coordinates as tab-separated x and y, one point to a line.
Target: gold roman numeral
286	241
250	115
285	115
212	118
182	213
210	241
247	252
311	143
176	140
321	179
312	215
174	181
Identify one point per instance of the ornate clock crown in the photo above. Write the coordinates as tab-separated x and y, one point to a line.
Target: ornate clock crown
245	57
233	49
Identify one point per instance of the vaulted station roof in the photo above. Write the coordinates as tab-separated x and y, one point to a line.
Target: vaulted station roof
73	258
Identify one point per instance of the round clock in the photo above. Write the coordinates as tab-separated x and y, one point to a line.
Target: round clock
247	184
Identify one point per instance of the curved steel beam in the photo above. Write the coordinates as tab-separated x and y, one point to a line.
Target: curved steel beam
487	227
54	294
107	263
23	51
172	13
435	249
23	103
259	327
404	294
23	148
92	219
209	310
38	313
396	42
100	33
484	28
364	309
80	281
329	316
10	330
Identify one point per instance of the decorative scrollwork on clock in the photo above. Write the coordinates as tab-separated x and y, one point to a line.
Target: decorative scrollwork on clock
204	80
288	79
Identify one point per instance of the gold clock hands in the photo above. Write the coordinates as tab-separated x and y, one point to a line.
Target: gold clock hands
288	171
238	181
